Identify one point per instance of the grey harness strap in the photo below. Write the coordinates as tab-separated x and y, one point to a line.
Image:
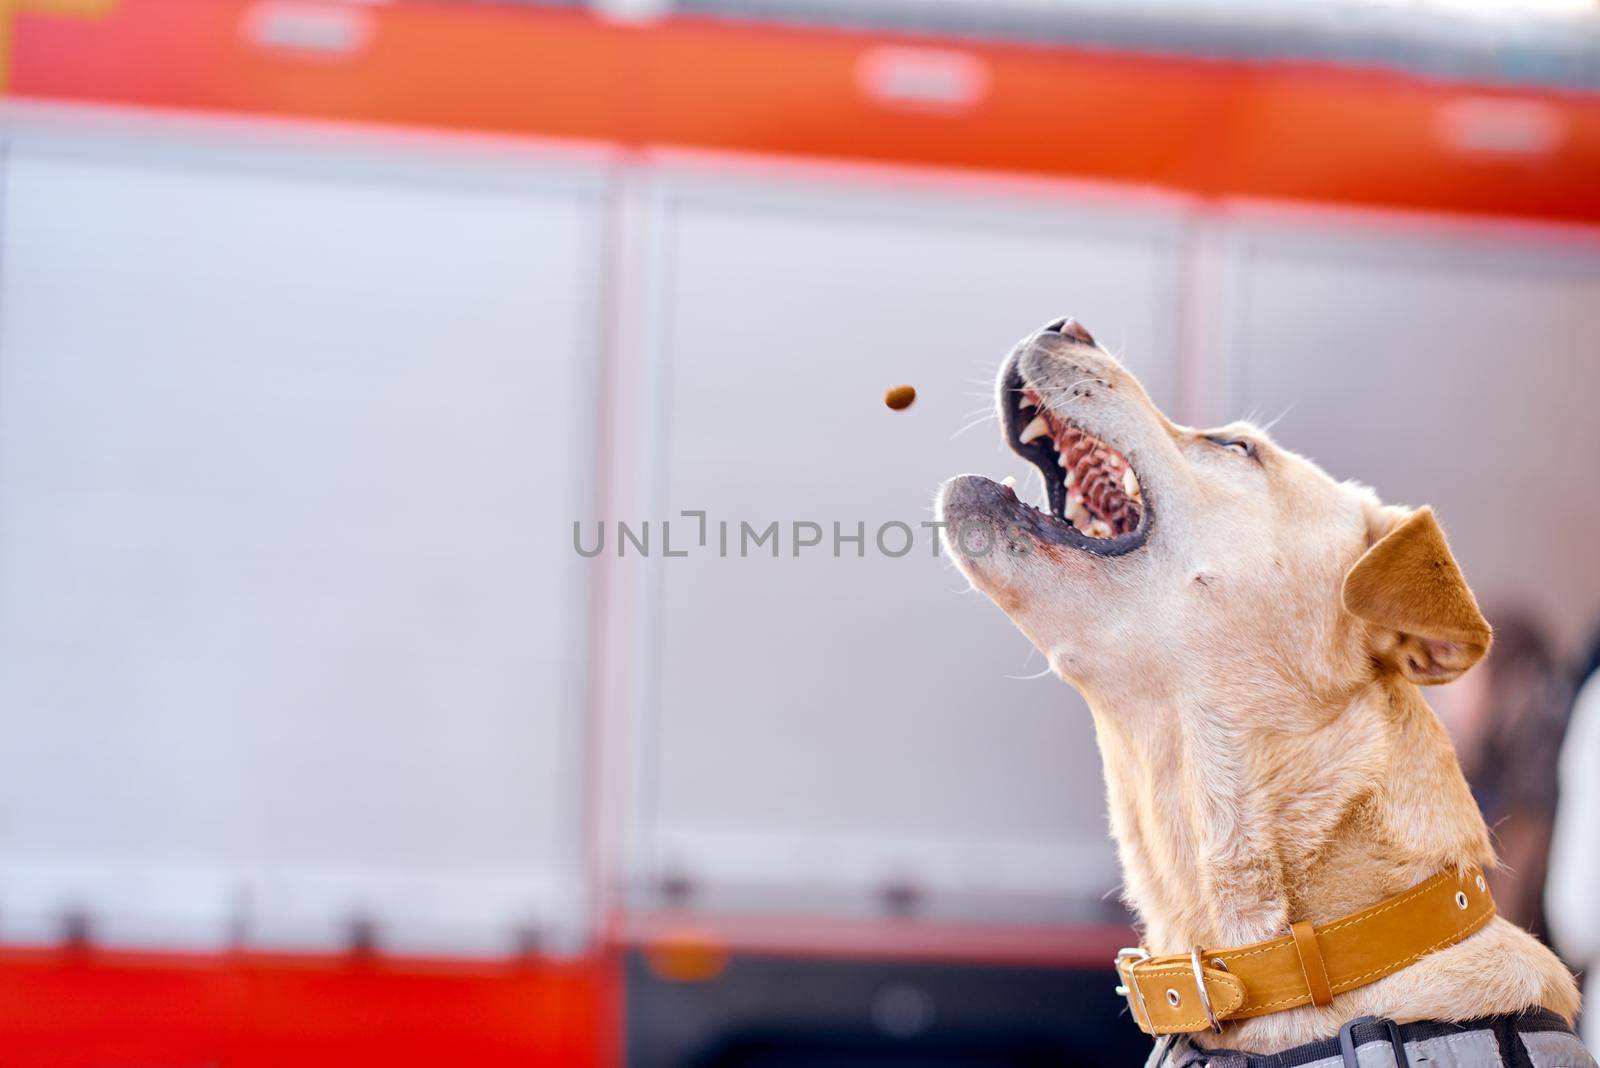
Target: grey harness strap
1535	1039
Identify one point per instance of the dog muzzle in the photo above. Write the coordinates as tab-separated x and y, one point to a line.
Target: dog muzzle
1190	992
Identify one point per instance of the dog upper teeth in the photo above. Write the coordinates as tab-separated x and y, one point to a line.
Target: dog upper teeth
1102	495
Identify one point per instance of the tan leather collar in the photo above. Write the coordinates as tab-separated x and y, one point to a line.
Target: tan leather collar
1189	992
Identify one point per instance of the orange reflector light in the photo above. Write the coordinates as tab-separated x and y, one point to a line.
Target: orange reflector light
686	957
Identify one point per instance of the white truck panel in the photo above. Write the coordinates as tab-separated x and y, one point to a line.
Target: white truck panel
817	729
1452	367
291	638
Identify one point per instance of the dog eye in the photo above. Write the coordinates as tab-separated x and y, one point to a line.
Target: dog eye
1238	445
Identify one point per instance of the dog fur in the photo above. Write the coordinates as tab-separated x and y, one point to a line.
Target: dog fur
1252	671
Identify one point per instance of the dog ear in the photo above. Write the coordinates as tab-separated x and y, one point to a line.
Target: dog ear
1426	622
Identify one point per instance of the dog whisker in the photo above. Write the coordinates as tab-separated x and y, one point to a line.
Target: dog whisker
975	423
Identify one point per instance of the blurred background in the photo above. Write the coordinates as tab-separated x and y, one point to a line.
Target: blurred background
334	335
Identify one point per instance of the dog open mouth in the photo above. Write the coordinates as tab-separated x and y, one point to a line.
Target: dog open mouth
1090	486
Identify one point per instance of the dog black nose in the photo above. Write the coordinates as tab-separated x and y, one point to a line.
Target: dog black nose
1070	328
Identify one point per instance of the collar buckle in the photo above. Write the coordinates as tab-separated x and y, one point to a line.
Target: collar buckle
1205	995
1133	956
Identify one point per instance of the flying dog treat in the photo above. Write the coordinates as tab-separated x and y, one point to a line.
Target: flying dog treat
900	397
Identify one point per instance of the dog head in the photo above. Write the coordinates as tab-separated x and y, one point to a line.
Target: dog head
1169	557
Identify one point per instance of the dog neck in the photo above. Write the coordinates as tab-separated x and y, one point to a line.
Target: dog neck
1234	821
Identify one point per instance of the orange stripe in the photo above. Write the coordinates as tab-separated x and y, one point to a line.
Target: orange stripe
71	1007
1300	132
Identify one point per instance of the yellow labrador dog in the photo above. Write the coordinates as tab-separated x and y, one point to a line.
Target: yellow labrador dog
1250	635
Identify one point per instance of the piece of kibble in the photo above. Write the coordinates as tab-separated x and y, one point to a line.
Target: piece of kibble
900	397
